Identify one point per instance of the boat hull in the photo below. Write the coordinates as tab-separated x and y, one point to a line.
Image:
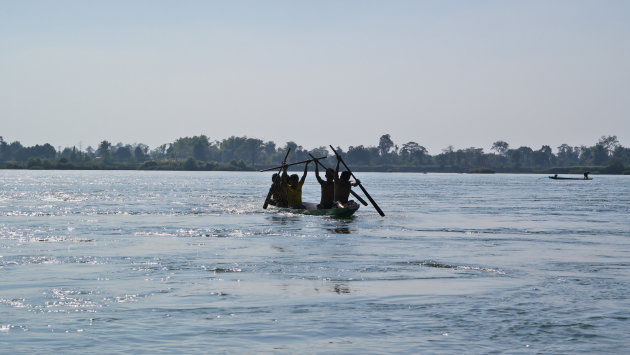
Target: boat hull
568	178
312	210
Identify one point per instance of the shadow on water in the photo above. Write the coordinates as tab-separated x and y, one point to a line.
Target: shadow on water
343	225
341	289
332	225
283	219
341	230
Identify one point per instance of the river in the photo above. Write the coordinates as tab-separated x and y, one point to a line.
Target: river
188	262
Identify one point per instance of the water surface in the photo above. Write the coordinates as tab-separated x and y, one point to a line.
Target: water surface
189	262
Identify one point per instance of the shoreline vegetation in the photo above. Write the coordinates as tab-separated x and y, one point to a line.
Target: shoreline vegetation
198	153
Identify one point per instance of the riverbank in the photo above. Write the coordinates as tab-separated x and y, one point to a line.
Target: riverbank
195	165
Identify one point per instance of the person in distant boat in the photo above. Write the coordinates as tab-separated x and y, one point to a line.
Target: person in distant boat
586	175
328	188
555	176
343	185
293	187
278	193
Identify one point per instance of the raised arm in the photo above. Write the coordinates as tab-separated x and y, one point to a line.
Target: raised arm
319	179
285	175
305	172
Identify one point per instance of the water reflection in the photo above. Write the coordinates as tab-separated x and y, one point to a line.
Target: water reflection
341	289
341	230
332	225
283	220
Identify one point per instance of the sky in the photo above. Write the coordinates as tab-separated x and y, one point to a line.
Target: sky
343	72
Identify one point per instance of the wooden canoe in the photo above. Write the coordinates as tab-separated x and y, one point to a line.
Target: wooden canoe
568	178
312	210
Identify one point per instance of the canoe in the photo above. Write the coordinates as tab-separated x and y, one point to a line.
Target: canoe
312	210
568	178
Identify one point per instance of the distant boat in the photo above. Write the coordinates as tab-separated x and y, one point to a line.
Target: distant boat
556	177
312	210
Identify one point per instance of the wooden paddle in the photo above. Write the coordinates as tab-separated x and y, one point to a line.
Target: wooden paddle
378	209
271	188
300	162
352	192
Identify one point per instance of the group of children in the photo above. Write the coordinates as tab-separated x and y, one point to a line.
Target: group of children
286	191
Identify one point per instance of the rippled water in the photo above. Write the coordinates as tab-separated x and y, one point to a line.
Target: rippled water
183	262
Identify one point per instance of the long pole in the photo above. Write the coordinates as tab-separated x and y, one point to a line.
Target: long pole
378	209
352	192
300	162
271	188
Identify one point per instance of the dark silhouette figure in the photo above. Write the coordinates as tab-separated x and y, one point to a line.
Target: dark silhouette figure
328	188
343	185
586	175
293	187
278	193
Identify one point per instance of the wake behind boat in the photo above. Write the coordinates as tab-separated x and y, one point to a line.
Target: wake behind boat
311	210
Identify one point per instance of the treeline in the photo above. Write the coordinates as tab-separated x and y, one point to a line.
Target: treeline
243	153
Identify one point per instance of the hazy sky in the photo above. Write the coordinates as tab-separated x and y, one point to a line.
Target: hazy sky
461	73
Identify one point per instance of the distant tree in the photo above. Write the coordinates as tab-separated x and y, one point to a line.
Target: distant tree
413	152
14	151
160	152
190	164
67	153
385	144
140	152
441	159
568	155
269	149
75	155
320	152
609	143
249	149
623	154
122	153
470	157
358	155
291	145
500	147
45	151
521	157
252	149
449	154
240	153
201	149
3	150
585	155
615	166
197	147
599	154
543	157
104	151
294	155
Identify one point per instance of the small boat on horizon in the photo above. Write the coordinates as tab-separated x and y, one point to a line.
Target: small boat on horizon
556	177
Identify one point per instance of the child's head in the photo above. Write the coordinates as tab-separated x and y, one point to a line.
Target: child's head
330	173
345	175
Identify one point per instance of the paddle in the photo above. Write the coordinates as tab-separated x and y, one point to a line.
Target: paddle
271	188
300	162
378	209
352	192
